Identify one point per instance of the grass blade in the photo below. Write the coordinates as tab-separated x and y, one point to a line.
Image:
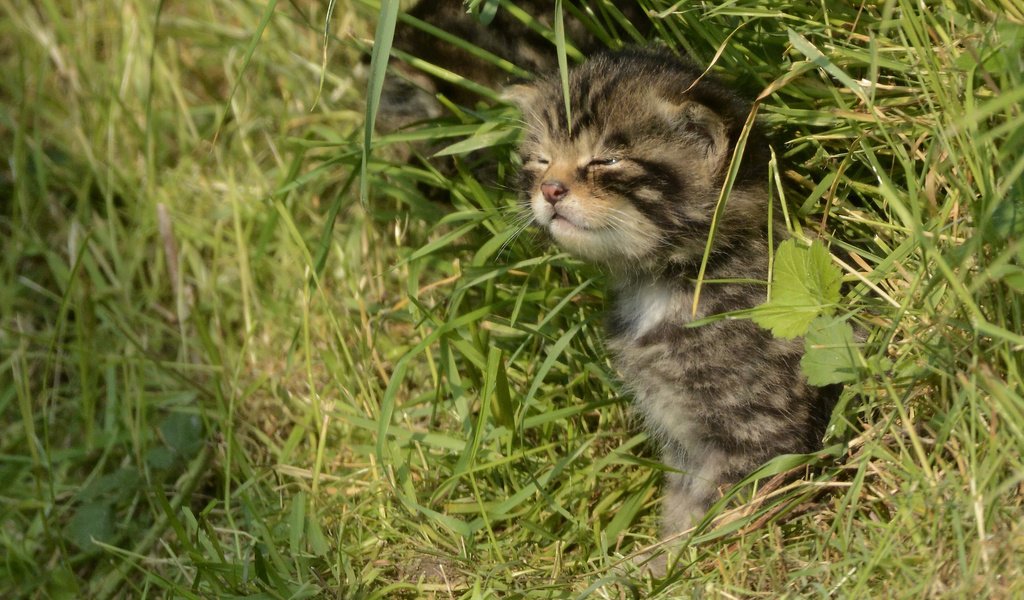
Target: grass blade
382	40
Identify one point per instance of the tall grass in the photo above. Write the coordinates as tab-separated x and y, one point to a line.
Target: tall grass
220	374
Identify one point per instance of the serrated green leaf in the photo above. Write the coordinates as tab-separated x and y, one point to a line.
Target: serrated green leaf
805	276
828	352
785	321
805	285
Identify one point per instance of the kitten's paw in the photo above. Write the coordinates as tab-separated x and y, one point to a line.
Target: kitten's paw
654	563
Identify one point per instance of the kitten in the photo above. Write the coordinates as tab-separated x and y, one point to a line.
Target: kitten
632	186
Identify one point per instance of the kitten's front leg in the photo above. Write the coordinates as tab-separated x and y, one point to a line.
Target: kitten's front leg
689	490
688	494
683	506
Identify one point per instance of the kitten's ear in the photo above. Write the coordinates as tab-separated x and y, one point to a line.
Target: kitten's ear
710	131
520	95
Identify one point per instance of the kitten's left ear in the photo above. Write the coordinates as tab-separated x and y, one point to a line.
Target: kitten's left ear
706	128
520	95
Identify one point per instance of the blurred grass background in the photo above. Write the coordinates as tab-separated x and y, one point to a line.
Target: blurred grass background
223	376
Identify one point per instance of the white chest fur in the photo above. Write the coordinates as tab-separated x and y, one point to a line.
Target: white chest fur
642	308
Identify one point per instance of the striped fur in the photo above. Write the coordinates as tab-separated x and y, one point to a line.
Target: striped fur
641	167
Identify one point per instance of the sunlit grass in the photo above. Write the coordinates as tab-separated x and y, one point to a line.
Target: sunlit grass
220	374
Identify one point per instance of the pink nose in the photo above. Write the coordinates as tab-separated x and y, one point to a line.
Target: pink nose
553	191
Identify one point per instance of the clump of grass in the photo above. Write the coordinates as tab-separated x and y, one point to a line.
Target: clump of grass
221	375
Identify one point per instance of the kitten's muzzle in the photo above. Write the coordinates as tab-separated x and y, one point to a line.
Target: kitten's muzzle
553	191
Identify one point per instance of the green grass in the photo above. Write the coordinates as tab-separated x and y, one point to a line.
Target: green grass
222	375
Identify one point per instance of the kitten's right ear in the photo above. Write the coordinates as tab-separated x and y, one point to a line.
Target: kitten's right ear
520	95
706	125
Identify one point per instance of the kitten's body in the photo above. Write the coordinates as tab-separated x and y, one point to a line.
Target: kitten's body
632	185
720	399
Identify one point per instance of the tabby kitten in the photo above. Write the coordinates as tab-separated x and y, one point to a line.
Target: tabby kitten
632	185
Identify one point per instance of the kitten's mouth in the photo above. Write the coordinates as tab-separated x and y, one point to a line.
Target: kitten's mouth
561	221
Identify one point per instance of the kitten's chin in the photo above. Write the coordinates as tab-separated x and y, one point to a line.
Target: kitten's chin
595	245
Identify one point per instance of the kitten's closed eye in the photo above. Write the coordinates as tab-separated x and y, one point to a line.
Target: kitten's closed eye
603	162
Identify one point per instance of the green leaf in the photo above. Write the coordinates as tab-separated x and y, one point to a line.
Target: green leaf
119	485
829	352
63	584
805	276
160	458
183	433
92	521
805	285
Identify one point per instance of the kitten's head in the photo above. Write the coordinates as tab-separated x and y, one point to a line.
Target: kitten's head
633	182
